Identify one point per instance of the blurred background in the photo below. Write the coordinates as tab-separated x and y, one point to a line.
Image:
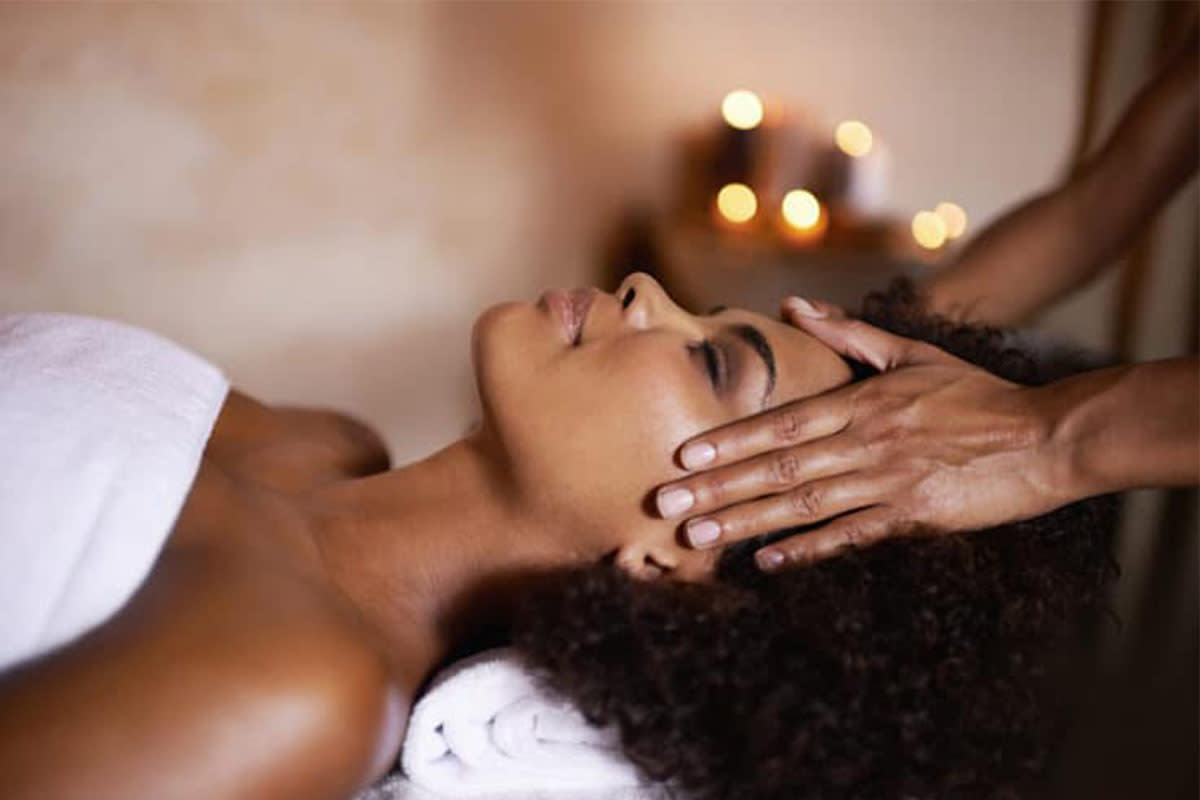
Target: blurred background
321	198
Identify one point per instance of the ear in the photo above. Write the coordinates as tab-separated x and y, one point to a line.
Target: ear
646	562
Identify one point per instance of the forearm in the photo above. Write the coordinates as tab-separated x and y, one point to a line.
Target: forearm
1123	428
1030	257
1058	241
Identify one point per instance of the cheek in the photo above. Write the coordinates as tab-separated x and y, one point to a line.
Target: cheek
591	436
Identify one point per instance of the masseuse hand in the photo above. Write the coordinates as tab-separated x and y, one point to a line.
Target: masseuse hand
932	444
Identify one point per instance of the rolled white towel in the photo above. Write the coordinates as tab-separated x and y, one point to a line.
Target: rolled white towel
485	727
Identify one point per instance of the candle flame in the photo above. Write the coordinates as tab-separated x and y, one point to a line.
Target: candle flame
928	230
854	138
742	109
801	209
737	203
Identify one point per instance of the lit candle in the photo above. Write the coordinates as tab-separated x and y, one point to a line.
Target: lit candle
955	218
804	217
928	230
736	204
869	168
854	138
742	110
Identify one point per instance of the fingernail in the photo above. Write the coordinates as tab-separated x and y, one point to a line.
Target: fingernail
673	502
703	531
697	454
768	560
804	308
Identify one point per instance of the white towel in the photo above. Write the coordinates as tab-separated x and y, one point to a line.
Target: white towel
102	427
485	727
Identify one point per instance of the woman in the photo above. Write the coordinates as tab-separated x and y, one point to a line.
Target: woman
914	668
305	591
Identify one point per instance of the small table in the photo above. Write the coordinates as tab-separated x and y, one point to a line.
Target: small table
702	267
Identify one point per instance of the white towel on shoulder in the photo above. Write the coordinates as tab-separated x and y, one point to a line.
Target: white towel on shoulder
485	727
102	427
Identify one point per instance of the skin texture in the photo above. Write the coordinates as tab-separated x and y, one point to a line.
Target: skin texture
308	590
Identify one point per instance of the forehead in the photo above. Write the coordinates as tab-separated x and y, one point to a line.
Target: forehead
804	365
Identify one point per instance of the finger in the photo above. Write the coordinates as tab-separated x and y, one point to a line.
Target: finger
768	473
790	424
859	340
803	505
860	529
813	308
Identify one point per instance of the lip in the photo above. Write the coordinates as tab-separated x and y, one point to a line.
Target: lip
571	308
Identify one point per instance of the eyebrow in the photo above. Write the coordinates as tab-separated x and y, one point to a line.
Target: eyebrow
759	344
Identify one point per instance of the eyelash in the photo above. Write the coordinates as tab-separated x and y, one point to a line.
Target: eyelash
714	361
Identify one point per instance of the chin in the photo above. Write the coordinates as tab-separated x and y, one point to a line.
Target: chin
492	328
505	351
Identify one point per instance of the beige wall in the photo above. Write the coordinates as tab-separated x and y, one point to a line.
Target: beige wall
320	198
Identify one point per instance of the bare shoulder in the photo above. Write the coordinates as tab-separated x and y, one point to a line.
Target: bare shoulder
359	438
217	680
294	447
321	694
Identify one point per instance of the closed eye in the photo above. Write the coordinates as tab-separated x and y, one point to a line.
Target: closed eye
714	362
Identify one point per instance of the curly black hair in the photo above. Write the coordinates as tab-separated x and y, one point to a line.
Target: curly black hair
915	668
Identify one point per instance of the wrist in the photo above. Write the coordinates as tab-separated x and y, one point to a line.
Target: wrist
1051	467
1071	412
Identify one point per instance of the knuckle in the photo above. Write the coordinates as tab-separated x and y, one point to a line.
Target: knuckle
854	326
876	449
797	551
805	501
788	425
795	548
853	536
785	469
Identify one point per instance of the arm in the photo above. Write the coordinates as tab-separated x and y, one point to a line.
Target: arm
197	689
1056	242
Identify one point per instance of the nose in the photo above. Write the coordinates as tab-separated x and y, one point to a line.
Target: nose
647	305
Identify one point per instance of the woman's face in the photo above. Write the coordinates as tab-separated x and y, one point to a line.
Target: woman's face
589	396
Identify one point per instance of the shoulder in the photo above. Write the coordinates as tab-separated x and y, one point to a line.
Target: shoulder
220	679
362	446
352	711
292	445
301	674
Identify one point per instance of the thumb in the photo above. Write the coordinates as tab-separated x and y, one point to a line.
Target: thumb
858	340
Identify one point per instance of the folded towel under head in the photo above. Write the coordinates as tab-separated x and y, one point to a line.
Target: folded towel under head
486	727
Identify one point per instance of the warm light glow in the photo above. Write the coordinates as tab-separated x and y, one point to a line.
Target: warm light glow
955	218
853	138
929	230
742	109
801	209
736	202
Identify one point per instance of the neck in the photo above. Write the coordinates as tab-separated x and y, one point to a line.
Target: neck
435	553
